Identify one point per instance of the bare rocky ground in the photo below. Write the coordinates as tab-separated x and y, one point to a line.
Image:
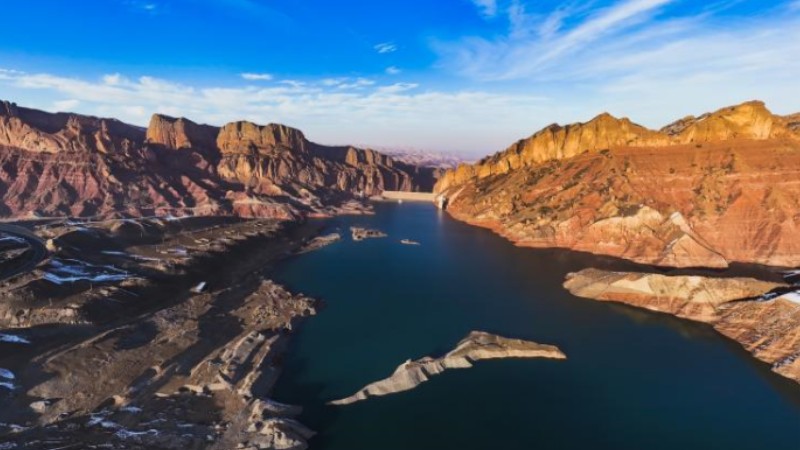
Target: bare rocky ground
151	334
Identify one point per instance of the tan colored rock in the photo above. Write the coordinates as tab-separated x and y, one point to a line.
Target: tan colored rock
475	347
176	133
249	138
767	326
691	297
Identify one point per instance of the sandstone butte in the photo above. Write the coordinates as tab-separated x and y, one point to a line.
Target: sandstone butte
68	164
763	317
702	191
478	345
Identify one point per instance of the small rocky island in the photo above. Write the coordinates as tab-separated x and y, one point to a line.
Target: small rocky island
476	346
359	234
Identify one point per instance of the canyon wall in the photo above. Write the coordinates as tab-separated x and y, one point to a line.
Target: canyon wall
703	191
69	164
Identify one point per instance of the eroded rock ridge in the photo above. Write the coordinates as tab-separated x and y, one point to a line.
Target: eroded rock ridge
703	191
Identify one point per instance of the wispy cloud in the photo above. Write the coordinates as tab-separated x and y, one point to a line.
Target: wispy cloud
393	70
330	110
66	105
385	47
146	6
598	41
256	76
631	55
520	54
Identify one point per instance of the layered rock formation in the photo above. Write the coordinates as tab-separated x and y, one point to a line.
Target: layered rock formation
702	191
476	346
68	164
764	317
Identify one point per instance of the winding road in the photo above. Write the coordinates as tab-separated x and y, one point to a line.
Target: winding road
29	259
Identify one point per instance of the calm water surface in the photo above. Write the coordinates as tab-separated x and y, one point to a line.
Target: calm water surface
633	380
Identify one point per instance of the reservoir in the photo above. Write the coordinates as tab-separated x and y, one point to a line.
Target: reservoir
633	379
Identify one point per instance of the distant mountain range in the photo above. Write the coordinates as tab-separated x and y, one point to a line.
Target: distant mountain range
67	164
425	158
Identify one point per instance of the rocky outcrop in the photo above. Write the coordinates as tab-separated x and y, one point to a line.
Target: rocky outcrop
359	233
68	164
278	160
703	191
180	133
475	347
762	316
689	297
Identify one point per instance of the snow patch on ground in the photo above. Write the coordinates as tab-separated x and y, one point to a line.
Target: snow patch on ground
129	255
12	339
7	374
72	270
127	434
131	409
793	297
14	239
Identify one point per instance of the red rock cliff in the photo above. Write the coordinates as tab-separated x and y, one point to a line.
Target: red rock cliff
68	164
701	192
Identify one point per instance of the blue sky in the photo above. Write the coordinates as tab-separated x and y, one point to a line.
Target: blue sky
469	76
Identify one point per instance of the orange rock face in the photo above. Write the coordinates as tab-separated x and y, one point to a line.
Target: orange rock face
768	328
67	164
702	192
180	133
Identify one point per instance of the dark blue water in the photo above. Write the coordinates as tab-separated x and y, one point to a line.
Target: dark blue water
633	380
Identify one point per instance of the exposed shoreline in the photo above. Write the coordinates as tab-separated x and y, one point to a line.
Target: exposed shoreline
191	340
757	315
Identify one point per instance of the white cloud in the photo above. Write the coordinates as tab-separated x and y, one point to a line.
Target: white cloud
256	76
397	87
66	105
358	83
393	70
385	47
333	81
329	110
112	79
